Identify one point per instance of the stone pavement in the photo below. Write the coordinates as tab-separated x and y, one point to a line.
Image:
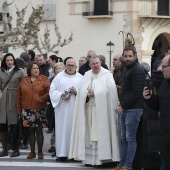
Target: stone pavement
48	163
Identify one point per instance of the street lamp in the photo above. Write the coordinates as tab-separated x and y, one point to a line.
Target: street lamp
110	47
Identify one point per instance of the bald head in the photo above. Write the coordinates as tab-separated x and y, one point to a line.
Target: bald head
117	61
167	58
166	67
82	60
118	56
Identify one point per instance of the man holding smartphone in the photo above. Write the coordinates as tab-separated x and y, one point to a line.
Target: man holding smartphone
161	102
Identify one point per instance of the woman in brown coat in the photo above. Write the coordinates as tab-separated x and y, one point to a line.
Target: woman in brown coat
8	110
32	96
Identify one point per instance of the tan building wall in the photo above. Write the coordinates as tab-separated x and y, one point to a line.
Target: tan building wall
138	17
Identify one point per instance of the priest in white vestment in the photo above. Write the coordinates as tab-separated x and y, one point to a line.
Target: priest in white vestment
95	133
63	92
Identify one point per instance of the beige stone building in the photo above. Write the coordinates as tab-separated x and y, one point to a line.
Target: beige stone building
94	23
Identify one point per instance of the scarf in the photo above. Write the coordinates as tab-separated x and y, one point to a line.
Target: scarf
9	71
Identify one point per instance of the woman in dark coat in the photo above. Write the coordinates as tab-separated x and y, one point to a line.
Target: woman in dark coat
8	111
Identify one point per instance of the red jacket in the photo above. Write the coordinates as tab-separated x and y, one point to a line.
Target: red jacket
33	95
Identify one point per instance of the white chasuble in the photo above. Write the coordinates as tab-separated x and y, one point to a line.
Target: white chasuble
98	135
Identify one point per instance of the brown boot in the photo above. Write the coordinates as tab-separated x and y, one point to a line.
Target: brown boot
40	155
4	136
15	153
31	155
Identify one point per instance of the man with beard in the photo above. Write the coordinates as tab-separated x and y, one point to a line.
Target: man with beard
130	108
44	66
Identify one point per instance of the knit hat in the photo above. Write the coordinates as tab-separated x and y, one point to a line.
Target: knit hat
25	56
20	62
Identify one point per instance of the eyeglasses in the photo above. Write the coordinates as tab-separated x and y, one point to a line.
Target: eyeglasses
165	66
70	65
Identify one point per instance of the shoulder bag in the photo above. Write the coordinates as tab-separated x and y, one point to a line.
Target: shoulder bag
2	88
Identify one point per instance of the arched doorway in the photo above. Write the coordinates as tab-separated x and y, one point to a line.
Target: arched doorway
161	42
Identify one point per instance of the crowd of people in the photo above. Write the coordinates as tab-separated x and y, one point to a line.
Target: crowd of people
96	114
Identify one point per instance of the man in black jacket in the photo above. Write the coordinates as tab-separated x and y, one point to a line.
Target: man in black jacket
85	67
161	102
131	107
44	66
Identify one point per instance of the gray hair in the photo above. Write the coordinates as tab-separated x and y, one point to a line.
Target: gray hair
71	59
59	64
84	57
92	58
89	52
102	58
145	66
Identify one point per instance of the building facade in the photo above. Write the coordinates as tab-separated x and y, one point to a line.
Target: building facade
96	22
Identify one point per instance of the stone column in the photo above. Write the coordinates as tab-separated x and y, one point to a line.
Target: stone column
147	55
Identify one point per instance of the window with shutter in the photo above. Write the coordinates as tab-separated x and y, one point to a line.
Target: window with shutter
101	7
98	8
163	7
49	8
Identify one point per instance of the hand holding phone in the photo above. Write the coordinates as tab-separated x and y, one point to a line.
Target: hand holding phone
147	93
148	85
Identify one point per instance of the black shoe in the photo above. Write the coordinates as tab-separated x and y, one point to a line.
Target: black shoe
88	165
61	159
97	166
71	160
52	149
15	153
53	155
57	159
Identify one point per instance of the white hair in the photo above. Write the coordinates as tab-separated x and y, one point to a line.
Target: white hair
59	64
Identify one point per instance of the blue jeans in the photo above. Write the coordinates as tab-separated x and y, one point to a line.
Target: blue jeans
129	121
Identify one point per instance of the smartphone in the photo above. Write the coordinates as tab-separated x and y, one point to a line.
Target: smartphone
148	84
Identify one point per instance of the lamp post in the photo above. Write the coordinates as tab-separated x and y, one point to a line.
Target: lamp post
110	47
